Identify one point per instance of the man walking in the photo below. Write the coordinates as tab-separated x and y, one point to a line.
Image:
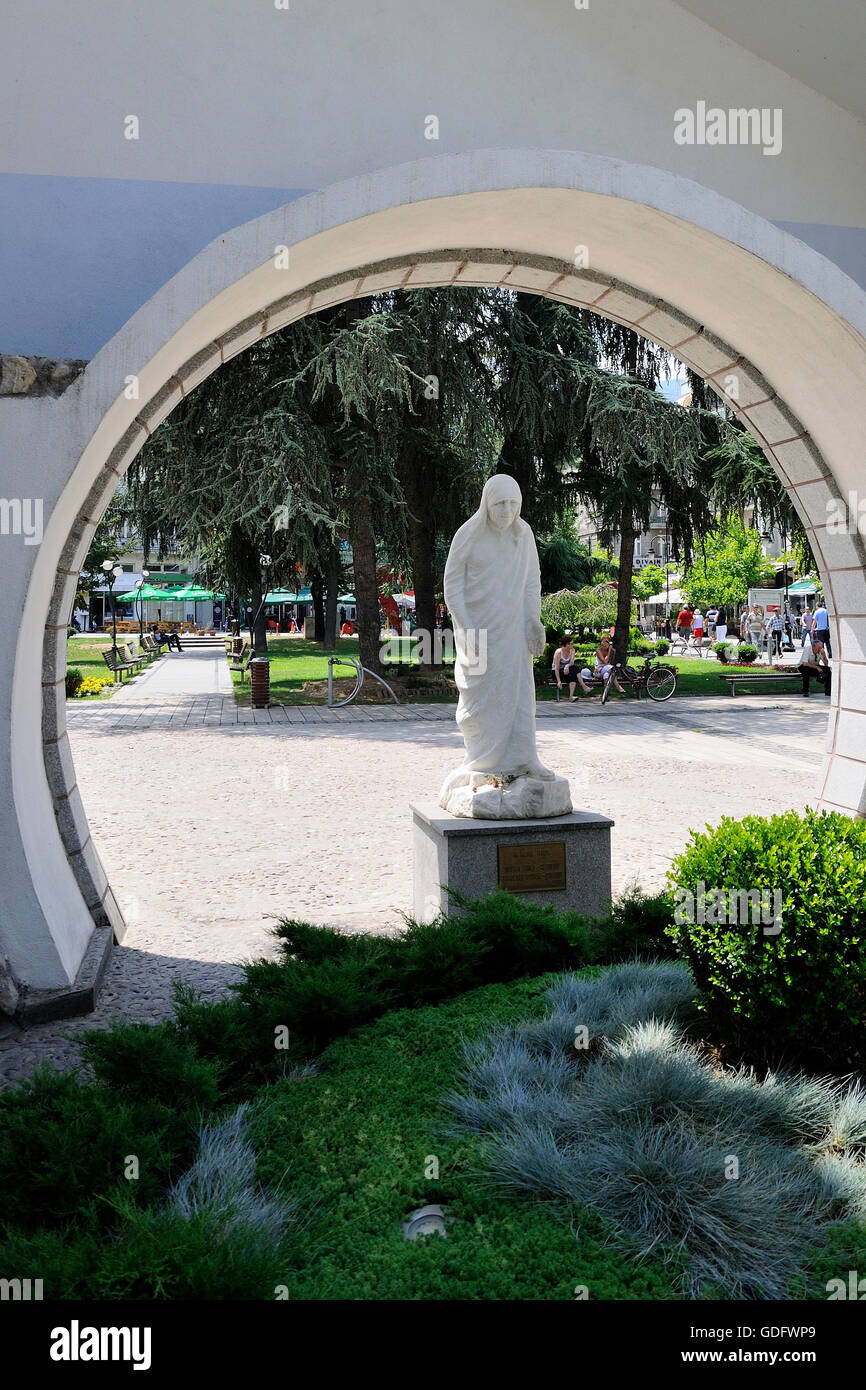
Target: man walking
684	623
822	627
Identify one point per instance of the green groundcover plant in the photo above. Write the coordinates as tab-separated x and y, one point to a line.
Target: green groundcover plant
793	988
366	1142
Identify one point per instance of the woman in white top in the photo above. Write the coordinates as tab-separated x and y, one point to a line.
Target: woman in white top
565	668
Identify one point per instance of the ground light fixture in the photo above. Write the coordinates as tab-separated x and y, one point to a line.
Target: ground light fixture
426	1221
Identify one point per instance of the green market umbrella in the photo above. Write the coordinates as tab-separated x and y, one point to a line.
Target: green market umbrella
191	593
147	591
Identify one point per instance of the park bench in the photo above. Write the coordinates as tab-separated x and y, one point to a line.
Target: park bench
117	665
150	646
132	658
240	661
757	678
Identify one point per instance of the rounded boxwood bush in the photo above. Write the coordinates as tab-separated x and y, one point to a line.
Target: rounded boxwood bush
793	987
74	677
723	651
747	654
663	646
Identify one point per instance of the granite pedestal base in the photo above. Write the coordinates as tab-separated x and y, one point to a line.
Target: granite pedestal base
563	860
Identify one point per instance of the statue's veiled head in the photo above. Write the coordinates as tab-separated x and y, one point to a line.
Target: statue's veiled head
502	499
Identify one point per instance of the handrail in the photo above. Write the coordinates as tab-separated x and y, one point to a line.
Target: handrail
360	673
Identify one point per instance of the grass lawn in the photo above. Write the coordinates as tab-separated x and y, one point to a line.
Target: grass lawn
695	676
295	661
85	652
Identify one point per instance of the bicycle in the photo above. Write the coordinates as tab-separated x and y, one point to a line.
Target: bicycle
655	679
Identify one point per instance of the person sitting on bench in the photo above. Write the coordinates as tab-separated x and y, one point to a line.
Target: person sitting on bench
813	662
605	663
565	667
171	639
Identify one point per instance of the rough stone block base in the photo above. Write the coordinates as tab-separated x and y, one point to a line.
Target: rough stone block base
569	856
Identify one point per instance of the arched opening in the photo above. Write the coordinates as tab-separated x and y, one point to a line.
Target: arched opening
728	294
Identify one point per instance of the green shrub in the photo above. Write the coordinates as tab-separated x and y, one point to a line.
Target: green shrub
150	1253
328	983
723	651
663	646
747	654
799	990
74	677
152	1062
62	1145
637	925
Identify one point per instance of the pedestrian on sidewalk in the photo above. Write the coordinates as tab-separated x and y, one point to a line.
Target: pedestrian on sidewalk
721	624
822	626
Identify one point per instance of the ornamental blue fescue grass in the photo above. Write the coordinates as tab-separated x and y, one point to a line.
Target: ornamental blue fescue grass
730	1178
221	1183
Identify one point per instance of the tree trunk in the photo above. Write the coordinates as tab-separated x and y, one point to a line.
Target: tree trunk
417	479
317	590
628	535
366	586
422	573
331	594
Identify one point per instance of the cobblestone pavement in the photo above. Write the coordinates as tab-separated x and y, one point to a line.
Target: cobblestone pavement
211	834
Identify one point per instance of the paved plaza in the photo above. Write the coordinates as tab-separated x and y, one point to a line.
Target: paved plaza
212	820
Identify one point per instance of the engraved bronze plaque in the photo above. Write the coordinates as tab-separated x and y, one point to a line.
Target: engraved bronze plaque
538	868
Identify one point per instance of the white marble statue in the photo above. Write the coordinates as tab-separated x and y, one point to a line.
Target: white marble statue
493	592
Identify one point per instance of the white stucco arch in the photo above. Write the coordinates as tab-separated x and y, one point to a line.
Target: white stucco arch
725	290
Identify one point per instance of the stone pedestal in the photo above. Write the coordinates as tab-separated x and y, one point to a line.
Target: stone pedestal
564	860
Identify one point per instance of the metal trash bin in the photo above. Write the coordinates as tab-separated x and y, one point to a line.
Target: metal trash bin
260	682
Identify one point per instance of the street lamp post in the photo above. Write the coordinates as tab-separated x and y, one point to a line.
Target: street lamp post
139	585
651	557
112	574
264	562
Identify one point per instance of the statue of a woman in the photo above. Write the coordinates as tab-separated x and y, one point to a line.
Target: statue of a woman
493	591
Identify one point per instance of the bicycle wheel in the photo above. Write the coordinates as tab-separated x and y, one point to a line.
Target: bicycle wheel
661	683
605	692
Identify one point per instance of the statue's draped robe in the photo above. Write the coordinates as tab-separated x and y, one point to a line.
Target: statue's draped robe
493	584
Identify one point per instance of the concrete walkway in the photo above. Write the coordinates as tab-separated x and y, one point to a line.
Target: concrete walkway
185	674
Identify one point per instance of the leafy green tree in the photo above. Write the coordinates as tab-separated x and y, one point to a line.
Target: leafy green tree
730	562
594	606
648	581
103	547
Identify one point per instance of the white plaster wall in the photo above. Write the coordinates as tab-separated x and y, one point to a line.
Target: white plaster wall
244	93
